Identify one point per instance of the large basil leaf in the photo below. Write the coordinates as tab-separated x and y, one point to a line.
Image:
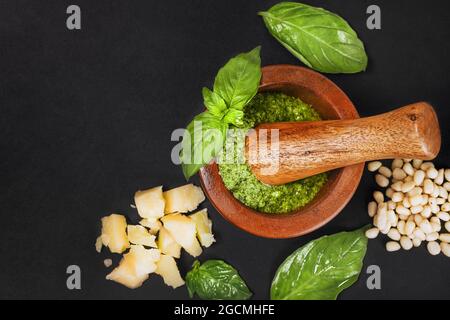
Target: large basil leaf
202	141
320	39
216	280
237	82
214	103
321	269
234	117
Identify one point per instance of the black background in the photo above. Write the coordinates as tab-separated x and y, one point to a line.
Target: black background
86	118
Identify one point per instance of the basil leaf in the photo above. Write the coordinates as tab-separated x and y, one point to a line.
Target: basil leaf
216	280
214	102
237	82
321	269
320	39
234	117
202	141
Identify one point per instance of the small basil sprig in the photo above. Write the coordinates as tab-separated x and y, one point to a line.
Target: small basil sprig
320	39
321	269
235	85
216	280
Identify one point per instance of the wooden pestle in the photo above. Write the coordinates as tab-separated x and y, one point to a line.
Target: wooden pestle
311	147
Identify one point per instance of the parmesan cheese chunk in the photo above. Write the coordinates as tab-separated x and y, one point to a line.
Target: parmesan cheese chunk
204	227
182	229
168	270
183	199
150	203
167	244
114	234
140	235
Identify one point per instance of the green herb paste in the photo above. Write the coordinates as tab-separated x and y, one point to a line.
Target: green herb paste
237	176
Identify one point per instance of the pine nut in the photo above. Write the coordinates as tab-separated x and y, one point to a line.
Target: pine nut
435	192
397	186
381	180
446	186
378	196
394	234
391	205
440	177
447	226
372	233
408	168
415	200
433	236
426	227
406	203
432	173
418	219
385	171
397	196
401	226
435	208
416	209
374	166
428	186
433	248
419	234
426	212
402	210
391	217
447	174
425	199
409	227
436	226
416	242
426	165
372	208
443	193
417	163
392	246
440	201
406	243
389	192
408	186
445	247
444	216
416	191
419	177
397	163
444	237
399	174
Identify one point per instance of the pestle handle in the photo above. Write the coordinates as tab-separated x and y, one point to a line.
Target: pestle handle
312	147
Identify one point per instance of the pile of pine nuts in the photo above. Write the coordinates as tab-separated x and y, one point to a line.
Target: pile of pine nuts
414	207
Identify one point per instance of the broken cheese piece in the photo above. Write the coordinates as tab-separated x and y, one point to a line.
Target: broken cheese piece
135	267
167	244
167	268
204	227
183	199
150	203
183	231
151	223
114	234
140	235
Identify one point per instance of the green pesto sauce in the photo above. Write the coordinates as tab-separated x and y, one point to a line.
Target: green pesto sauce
237	176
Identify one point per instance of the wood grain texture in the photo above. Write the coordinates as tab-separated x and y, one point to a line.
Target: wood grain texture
308	148
332	103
